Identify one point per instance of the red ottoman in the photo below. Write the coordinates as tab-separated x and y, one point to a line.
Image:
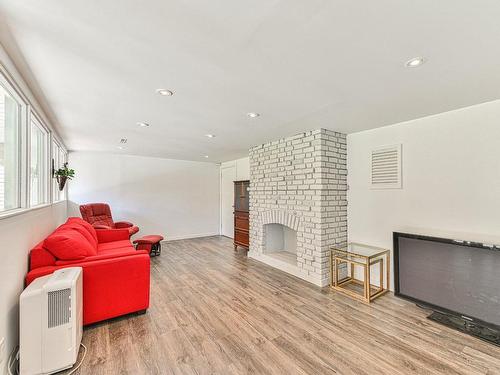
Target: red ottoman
150	243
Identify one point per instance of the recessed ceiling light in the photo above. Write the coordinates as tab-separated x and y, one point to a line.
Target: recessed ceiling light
209	135
253	114
143	124
205	156
416	61
120	148
164	92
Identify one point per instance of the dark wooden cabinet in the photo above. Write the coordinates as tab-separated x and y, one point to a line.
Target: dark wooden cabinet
241	209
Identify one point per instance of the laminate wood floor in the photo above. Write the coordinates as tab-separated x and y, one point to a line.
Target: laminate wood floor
214	311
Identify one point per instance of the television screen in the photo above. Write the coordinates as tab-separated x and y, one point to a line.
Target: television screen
463	278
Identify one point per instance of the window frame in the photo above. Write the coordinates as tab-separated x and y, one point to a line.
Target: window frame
26	113
34	119
56	145
22	111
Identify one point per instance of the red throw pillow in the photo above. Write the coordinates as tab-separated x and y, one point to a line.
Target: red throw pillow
68	244
80	229
84	224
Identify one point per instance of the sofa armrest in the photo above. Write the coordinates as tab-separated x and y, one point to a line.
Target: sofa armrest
123	224
38	272
114	287
101	226
110	235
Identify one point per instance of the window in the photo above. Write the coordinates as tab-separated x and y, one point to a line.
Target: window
10	111
38	163
58	159
25	153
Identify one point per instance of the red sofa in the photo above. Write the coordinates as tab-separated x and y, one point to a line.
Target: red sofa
99	216
115	275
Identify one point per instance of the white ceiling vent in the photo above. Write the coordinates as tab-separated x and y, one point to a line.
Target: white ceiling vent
386	167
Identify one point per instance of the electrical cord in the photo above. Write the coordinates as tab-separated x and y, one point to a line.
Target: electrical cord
12	360
81	361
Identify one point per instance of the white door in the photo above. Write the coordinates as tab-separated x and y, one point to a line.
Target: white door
227	177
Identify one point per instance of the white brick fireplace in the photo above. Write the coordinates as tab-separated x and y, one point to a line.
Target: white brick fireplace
298	203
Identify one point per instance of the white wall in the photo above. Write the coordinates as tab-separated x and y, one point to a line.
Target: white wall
451	178
19	234
241	172
175	198
242	167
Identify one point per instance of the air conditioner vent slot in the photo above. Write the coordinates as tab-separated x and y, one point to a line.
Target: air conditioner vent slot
59	307
386	167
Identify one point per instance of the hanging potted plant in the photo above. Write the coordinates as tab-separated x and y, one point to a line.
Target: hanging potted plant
64	174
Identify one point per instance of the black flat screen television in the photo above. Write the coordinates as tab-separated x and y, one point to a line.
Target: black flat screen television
459	280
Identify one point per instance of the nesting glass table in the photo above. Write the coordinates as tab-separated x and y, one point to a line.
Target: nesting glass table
357	262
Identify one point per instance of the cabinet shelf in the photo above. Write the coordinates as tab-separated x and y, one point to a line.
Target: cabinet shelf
241	213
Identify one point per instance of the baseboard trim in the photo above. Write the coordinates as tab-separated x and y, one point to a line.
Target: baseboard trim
189	236
286	267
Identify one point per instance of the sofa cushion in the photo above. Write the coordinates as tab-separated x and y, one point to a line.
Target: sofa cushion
84	232
67	244
84	224
123	244
107	254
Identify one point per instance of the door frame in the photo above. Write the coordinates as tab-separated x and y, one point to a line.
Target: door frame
227	165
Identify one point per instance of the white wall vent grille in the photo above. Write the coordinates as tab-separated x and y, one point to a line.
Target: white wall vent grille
386	168
59	307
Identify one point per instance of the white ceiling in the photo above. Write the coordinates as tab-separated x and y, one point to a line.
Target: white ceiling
302	64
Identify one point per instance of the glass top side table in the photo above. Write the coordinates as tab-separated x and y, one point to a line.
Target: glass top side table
366	258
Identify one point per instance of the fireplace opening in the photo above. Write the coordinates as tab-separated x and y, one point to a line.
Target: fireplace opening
281	242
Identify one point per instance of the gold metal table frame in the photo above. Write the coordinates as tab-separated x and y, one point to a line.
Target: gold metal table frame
365	256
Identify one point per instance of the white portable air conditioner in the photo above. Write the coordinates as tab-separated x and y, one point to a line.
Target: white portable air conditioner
51	322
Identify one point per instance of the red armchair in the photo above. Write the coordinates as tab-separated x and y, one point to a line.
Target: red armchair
99	216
